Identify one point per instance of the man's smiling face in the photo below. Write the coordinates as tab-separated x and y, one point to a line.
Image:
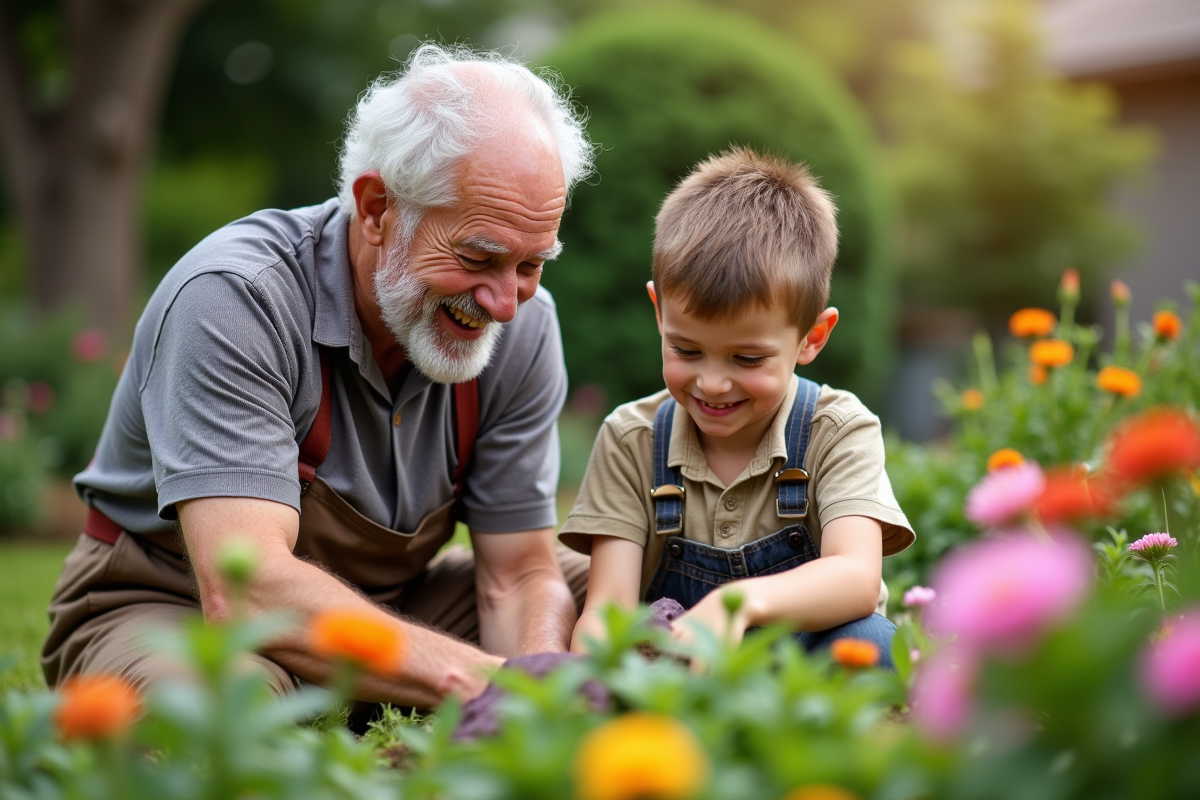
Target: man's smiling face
470	265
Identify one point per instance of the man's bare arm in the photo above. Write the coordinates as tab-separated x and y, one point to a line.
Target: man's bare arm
435	665
525	605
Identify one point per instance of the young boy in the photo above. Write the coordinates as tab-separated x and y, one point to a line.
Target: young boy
740	472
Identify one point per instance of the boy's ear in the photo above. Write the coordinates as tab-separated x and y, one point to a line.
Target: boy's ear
654	299
818	336
370	204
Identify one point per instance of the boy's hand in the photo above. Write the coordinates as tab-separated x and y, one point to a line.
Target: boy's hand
723	611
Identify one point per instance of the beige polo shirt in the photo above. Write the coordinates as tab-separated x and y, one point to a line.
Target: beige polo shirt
845	462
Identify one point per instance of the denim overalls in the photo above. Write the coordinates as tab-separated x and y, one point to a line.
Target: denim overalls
689	570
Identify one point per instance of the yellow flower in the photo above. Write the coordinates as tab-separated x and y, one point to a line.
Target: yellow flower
972	399
1167	325
640	755
1121	381
854	653
363	639
1051	353
1030	322
820	791
95	707
1005	457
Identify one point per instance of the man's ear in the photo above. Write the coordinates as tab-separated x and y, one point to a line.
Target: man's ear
370	204
650	290
818	336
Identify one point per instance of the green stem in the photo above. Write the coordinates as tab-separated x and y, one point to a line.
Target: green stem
1158	584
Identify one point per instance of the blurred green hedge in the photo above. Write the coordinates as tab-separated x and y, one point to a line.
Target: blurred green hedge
664	88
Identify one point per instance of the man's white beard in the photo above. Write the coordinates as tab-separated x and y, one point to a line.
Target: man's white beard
410	313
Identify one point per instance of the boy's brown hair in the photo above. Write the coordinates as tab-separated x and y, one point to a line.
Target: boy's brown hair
744	227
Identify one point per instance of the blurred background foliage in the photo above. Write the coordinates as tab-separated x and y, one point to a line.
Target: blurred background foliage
666	88
967	175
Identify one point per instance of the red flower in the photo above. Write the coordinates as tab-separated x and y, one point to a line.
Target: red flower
88	346
854	653
1029	322
1158	443
1070	495
1051	353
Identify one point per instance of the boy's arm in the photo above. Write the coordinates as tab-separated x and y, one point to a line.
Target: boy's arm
840	586
615	577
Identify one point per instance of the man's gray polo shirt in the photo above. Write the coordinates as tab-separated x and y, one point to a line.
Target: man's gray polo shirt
223	382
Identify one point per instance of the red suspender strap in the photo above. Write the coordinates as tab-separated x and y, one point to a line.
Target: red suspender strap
98	526
466	425
315	446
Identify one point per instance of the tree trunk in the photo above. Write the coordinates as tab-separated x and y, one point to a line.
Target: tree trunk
77	172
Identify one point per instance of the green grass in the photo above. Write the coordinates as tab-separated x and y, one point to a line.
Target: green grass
27	575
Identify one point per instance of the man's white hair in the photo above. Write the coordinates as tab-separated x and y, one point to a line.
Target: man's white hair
416	124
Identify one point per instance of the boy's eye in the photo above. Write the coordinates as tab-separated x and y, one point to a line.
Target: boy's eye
750	361
679	351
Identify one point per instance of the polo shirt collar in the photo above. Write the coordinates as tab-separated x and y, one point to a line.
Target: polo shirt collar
335	322
686	453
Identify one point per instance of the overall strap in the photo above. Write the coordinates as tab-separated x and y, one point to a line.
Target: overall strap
466	427
315	446
668	483
792	480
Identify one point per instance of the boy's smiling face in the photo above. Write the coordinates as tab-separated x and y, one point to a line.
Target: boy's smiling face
732	375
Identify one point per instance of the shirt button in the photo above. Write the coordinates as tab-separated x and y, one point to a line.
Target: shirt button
730	503
396	420
725	530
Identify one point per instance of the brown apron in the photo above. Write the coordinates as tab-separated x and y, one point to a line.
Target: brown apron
117	588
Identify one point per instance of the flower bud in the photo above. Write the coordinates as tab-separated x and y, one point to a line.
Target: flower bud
1120	293
1068	287
237	561
732	599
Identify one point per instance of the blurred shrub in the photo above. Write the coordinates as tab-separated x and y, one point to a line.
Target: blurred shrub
22	467
61	378
664	89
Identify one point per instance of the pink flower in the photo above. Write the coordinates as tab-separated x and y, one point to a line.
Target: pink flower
1005	494
919	596
10	427
941	701
1153	546
41	397
1170	668
88	346
1000	594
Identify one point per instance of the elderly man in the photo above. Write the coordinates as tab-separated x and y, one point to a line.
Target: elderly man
339	384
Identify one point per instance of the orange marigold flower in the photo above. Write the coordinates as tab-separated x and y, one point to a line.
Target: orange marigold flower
854	653
1037	374
1167	325
363	639
820	791
1119	380
1119	291
972	399
1069	495
95	707
1004	457
640	755
1051	353
1160	442
1032	322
